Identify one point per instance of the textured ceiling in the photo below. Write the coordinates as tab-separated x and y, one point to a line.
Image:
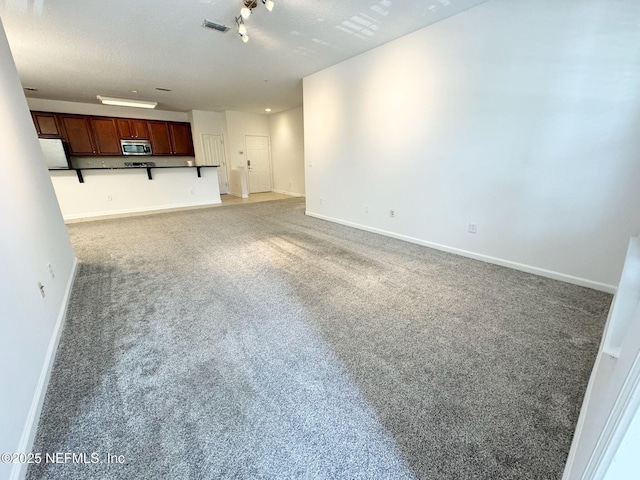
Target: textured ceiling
76	49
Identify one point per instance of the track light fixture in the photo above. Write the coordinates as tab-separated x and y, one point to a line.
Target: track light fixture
245	13
242	29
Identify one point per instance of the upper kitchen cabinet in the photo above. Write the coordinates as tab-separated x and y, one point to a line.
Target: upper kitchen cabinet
160	137
89	135
170	138
78	134
46	125
181	140
132	129
105	135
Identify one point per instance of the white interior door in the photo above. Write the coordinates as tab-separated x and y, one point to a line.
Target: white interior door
213	149
258	163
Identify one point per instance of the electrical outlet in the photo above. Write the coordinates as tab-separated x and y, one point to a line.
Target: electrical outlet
41	288
473	228
321	201
366	209
51	272
192	192
109	197
392	213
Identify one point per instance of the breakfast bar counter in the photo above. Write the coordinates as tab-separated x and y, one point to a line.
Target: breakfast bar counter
92	191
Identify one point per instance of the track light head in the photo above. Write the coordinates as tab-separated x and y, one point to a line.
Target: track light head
242	29
268	4
248	6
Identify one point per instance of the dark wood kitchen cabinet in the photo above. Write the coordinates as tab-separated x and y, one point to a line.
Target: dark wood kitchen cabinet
46	124
160	137
132	129
90	135
181	140
105	135
78	134
170	138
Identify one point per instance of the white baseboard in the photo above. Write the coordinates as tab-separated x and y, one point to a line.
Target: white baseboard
19	470
135	212
583	282
292	194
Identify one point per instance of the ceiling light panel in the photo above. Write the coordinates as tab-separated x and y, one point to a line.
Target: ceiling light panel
123	102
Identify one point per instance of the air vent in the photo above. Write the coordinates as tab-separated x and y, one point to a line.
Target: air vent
160	89
215	26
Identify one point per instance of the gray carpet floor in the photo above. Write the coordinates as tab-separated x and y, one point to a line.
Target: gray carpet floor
252	341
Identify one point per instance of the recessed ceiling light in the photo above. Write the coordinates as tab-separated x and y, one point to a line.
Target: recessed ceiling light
267	109
133	91
123	102
31	89
160	89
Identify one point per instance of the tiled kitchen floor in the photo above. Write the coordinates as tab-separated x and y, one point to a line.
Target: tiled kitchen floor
254	197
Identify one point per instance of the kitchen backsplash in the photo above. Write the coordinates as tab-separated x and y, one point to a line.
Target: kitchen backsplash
114	162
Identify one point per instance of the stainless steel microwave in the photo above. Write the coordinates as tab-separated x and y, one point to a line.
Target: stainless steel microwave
135	147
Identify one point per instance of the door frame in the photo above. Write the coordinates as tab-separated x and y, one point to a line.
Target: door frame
268	137
605	418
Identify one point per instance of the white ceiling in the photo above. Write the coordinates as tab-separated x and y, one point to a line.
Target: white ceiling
76	49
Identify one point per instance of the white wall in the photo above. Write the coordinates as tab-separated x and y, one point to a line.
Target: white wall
521	117
207	122
240	124
32	236
120	192
215	123
287	151
58	106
